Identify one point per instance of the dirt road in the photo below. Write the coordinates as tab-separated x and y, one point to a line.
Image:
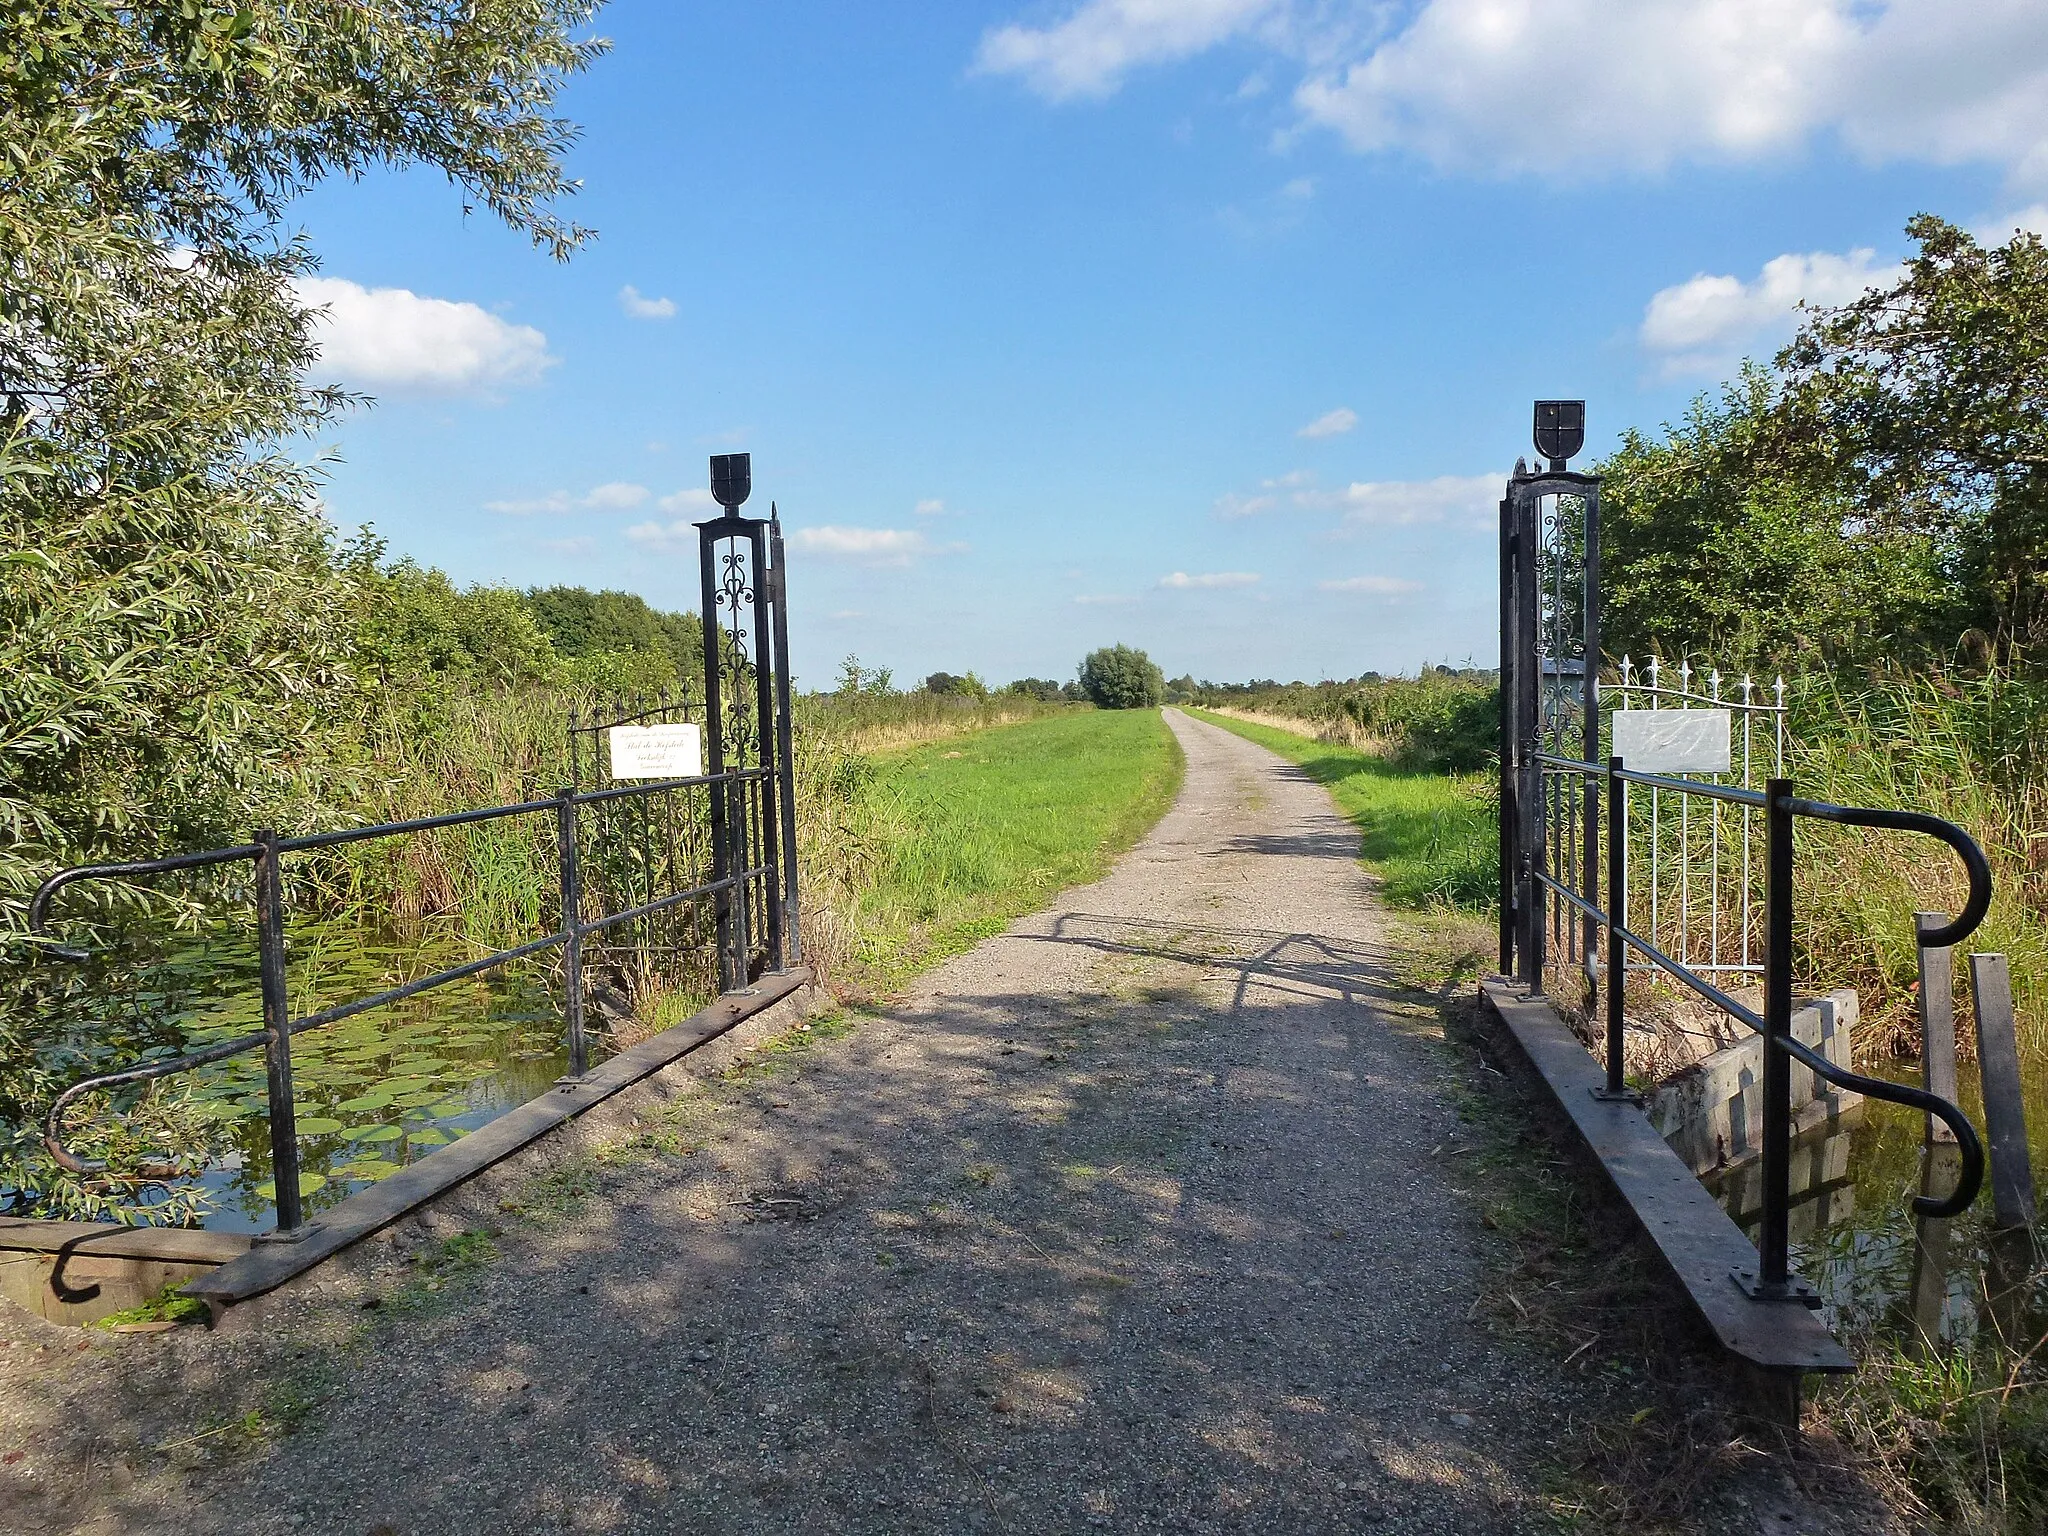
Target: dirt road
1128	1219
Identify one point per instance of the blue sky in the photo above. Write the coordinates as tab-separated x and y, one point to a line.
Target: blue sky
1204	325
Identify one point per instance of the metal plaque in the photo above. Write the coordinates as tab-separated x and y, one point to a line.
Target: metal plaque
656	751
1673	740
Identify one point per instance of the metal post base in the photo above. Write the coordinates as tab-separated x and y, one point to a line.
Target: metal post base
298	1234
1755	1288
1608	1095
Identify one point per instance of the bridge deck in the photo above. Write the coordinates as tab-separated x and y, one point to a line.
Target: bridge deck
1698	1240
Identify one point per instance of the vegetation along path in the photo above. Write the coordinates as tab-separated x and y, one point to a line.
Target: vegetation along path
1128	1218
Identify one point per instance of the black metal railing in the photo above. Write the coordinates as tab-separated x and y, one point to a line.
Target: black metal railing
742	810
1772	1278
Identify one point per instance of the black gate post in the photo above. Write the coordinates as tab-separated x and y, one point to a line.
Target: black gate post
1773	1238
714	747
277	1036
1617	903
1531	900
767	756
1509	739
1590	859
572	929
748	586
785	743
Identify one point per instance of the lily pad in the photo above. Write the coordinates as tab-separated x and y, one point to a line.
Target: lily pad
308	1183
318	1125
371	1133
375	1099
428	1138
226	1109
369	1168
417	1100
448	1109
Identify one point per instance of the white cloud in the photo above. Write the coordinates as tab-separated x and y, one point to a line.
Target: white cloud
1471	500
1090	52
663	538
1232	505
640	307
1650	83
1996	231
1104	599
870	546
695	499
930	507
612	496
1372	586
1182	581
392	338
1332	424
1299	190
1703	325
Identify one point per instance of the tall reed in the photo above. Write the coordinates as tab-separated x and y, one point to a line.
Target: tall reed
1969	747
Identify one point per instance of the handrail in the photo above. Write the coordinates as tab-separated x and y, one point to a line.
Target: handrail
1970	1177
279	1028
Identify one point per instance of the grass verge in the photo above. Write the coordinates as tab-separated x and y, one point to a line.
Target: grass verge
1430	837
954	840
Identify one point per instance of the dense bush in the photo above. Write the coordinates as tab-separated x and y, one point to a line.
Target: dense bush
1118	677
1444	719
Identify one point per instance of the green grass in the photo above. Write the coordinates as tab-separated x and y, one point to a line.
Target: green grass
965	835
1431	837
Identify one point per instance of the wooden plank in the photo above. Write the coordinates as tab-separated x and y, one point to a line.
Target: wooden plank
176	1245
1699	1242
1937	1021
2005	1108
269	1264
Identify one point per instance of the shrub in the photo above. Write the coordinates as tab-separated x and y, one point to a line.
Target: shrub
1118	677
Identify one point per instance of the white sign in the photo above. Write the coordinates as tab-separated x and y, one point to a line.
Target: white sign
656	752
1673	740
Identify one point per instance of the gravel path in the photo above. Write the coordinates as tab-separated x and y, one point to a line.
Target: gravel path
1127	1219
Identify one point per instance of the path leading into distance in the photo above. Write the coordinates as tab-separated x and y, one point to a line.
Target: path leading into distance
1126	1220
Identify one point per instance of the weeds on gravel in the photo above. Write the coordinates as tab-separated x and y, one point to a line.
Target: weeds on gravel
166	1306
1431	837
1960	1438
1668	1432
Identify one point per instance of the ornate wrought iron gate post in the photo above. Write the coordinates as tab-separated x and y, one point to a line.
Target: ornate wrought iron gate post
742	598
1549	608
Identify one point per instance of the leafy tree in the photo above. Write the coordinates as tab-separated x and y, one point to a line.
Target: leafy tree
1930	397
1118	677
614	638
942	683
1043	689
856	680
1709	539
417	629
175	629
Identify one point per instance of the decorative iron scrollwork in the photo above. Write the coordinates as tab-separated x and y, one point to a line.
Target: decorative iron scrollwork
735	596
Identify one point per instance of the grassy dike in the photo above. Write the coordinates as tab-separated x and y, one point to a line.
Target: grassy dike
1429	836
953	840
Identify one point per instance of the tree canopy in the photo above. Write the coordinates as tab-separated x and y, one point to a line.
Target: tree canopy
174	622
1879	492
1118	677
